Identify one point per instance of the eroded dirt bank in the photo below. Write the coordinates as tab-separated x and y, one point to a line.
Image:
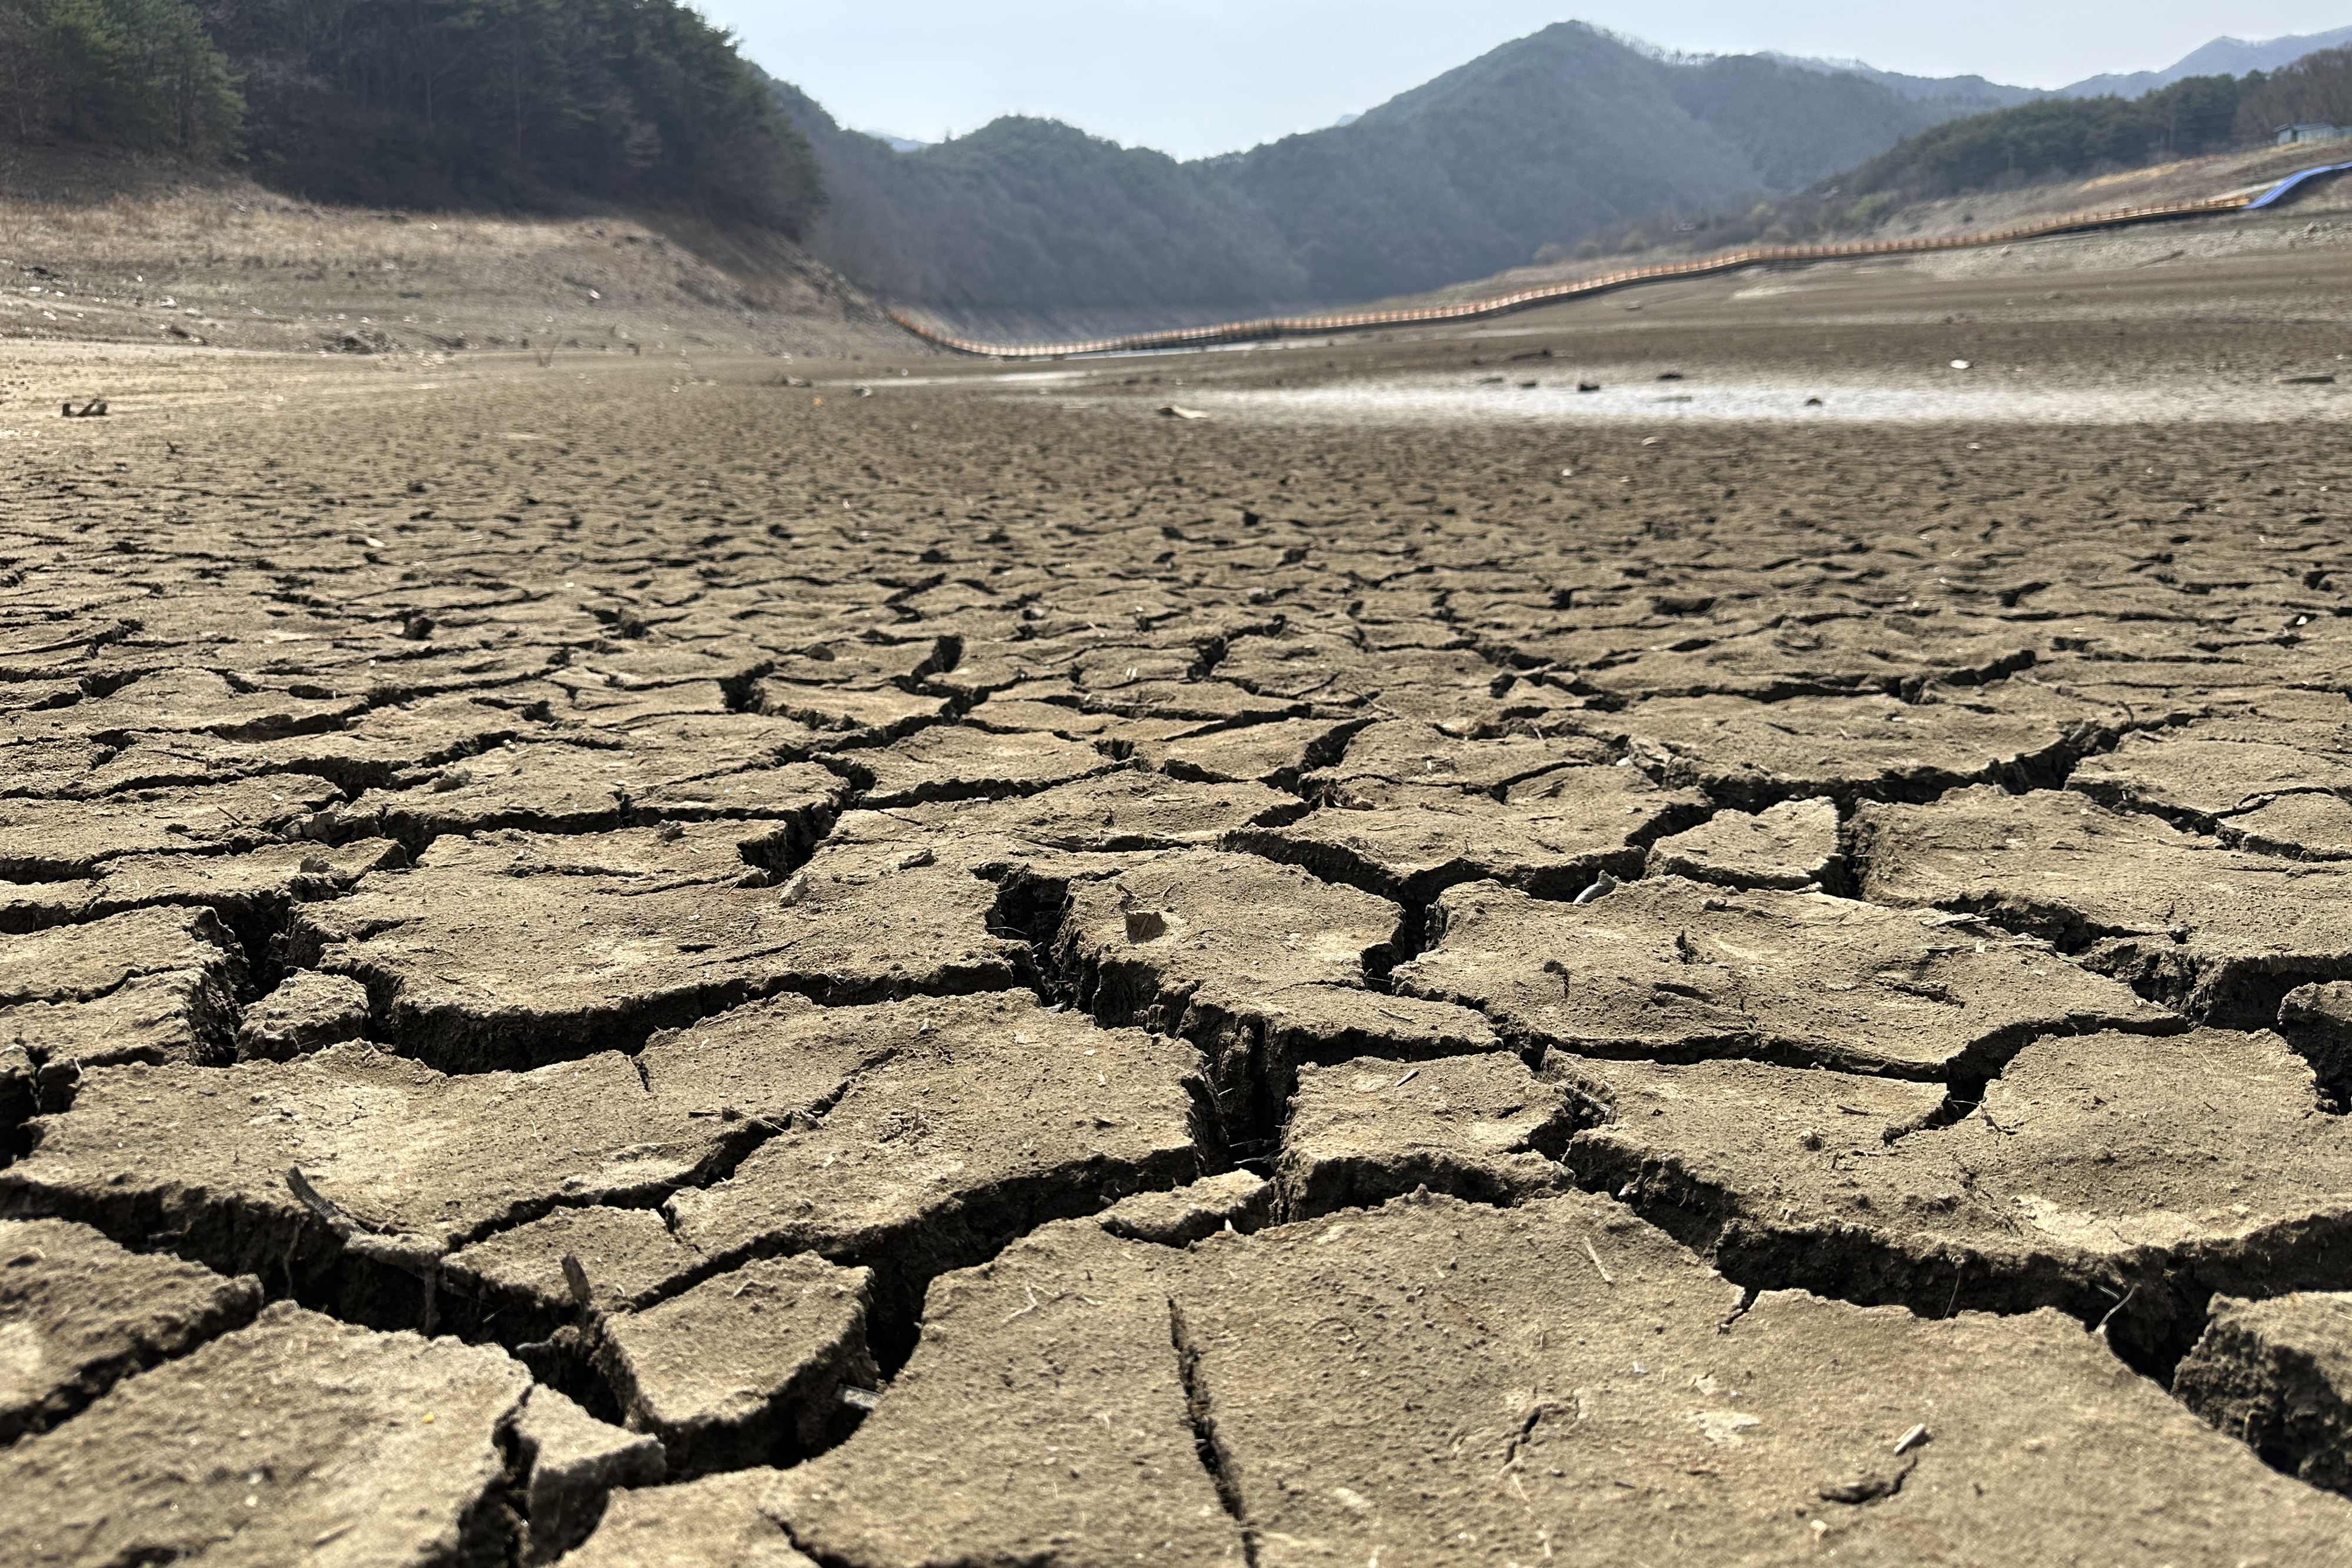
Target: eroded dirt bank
627	960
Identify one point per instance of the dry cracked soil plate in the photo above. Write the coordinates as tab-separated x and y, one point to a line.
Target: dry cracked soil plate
611	961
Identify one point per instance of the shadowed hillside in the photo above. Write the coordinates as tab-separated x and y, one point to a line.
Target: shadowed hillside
1546	137
503	104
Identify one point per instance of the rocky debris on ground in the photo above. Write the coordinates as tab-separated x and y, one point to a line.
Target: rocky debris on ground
2219	934
749	1367
1479	1127
289	1438
2071	1184
2277	1375
573	1461
1791	846
1674	970
78	1313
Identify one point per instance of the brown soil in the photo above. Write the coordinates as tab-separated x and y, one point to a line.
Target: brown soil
96	248
1422	968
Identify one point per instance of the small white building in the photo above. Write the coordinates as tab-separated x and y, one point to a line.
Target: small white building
2312	132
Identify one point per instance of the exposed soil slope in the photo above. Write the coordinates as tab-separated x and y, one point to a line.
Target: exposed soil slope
108	248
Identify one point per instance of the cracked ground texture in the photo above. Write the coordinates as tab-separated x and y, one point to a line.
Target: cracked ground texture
646	967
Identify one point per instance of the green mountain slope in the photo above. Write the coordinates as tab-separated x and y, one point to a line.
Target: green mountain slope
1534	143
499	103
1028	213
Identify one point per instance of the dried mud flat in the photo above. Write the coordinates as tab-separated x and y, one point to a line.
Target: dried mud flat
629	967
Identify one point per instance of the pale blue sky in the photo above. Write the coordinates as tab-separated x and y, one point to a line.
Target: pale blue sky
1196	76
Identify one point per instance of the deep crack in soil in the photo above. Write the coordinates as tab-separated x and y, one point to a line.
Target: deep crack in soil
681	969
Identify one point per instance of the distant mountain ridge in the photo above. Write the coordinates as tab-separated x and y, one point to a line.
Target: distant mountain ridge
1537	141
2222	56
1975	89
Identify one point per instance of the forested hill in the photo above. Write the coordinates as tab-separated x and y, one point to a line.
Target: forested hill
1032	214
419	102
2060	137
1536	143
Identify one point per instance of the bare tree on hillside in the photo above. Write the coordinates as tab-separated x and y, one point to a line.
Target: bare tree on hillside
2314	90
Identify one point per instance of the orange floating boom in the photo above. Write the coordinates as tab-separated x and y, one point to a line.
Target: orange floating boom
1274	327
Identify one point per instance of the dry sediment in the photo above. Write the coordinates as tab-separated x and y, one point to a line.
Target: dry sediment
654	967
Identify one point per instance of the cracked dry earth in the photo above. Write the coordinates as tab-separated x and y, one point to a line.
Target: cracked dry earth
643	973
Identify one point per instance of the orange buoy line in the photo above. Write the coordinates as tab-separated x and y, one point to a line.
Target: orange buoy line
1311	326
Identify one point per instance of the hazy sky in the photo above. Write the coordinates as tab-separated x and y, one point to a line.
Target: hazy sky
1196	76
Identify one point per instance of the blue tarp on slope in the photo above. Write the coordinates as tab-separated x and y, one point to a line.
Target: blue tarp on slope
2279	192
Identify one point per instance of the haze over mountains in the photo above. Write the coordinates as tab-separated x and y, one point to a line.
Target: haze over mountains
1534	143
1540	142
2222	56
